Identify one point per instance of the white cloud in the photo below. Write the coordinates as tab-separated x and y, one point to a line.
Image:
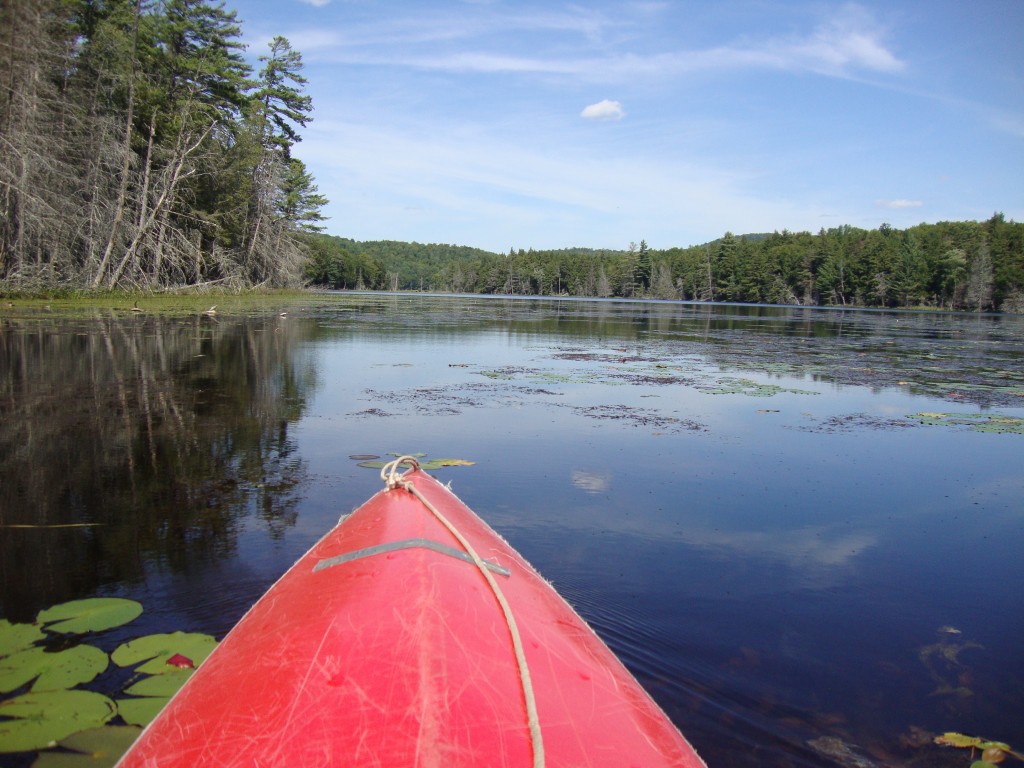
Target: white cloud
478	189
897	204
604	110
851	40
317	3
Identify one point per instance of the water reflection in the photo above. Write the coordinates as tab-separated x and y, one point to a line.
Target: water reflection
591	482
736	497
134	440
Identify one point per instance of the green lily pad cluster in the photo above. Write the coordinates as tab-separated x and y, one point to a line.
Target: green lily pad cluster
991	752
43	665
538	377
728	385
978	422
374	462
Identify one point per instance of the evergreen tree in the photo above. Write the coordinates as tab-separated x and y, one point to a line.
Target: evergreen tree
300	201
137	152
908	279
642	269
201	62
980	280
726	288
278	104
280	193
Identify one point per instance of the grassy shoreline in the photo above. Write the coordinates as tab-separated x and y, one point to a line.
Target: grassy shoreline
225	302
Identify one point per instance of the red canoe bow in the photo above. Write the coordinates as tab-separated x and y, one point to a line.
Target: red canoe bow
412	635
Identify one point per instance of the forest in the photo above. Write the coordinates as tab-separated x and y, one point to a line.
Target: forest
139	150
975	266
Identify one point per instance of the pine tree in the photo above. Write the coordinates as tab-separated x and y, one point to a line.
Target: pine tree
300	202
281	193
278	104
725	268
642	269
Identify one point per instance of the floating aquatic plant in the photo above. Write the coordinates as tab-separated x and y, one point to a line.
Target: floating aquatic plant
992	752
728	385
93	748
51	671
979	422
425	465
155	651
170	660
14	637
160	685
53	710
91	615
37	720
142	710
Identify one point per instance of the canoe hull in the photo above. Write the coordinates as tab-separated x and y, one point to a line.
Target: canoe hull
383	646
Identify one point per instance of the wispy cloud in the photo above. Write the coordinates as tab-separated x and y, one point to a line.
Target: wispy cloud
850	42
898	204
604	110
404	32
502	191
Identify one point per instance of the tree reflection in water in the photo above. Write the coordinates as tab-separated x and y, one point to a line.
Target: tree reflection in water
130	440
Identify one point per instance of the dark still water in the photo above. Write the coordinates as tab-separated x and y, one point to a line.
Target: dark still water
801	529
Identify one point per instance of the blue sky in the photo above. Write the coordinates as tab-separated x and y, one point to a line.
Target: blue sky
547	124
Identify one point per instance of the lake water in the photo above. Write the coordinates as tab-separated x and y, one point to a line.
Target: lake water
801	529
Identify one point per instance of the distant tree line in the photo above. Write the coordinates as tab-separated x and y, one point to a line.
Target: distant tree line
138	149
339	262
953	265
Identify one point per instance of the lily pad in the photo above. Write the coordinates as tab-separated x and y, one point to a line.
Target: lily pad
94	748
424	465
51	671
141	711
38	720
91	615
160	685
728	385
979	422
953	739
156	650
438	463
14	637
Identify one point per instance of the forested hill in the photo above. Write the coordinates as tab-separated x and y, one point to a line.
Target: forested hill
339	262
956	265
141	149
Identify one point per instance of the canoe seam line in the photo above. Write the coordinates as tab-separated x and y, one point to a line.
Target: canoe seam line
395	546
393	480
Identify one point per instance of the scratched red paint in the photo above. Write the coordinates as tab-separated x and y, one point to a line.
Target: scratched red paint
408	661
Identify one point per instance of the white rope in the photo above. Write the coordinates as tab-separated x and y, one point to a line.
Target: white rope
393	479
